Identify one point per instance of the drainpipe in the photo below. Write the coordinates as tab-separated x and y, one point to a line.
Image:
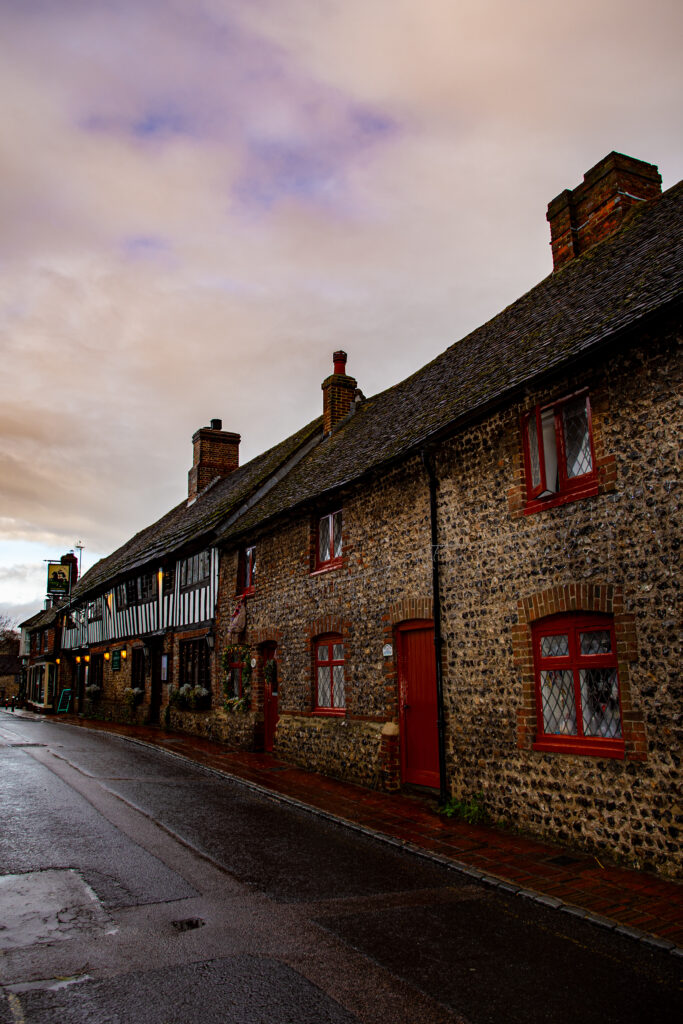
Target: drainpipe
428	462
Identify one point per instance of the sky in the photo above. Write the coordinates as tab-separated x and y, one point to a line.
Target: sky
202	199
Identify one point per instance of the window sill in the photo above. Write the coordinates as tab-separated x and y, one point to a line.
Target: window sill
330	712
249	592
334	563
582	747
589	490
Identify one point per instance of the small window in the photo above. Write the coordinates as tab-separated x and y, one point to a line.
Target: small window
329	540
194	669
558	450
233	685
95	609
147	587
577	686
329	675
246	572
195	570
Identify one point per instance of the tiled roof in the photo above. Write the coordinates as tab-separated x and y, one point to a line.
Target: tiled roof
629	276
41	619
185	523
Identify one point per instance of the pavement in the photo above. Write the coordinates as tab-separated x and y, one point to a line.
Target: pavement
643	906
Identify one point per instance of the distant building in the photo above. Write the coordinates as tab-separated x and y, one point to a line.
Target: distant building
10	666
465	583
41	648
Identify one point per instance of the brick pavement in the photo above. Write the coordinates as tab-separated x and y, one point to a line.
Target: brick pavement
644	906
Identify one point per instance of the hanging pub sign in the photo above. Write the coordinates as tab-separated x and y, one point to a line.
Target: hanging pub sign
58	578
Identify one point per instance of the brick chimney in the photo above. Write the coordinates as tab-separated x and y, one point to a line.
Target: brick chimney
338	394
216	453
595	209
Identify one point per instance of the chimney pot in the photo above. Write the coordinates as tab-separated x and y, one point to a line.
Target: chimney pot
216	424
339	362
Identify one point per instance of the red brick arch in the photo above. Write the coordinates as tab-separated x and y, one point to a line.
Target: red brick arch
606	598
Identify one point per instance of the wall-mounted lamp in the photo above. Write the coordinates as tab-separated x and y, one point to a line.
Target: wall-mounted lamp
210	641
124	653
58	661
86	658
78	659
106	655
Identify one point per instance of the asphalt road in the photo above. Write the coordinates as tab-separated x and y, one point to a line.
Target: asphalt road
137	887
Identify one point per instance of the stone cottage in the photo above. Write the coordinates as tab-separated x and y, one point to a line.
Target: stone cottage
466	583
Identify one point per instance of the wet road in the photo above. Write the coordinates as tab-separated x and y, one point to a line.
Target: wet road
135	886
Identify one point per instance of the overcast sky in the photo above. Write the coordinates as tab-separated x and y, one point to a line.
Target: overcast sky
202	199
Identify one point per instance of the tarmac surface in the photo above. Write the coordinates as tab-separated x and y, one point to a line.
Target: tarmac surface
641	906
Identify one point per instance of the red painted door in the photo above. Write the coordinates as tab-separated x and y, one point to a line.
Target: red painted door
270	691
417	696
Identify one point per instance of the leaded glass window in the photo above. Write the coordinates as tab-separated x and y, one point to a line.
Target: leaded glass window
329	547
558	448
329	668
577	681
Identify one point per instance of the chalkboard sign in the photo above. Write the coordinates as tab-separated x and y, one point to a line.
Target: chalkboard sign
64	701
116	661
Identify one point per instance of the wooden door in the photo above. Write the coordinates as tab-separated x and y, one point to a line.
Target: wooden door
270	697
417	699
155	688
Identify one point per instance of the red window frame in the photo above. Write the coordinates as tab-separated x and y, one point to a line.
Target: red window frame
246	570
574	661
332	556
324	658
569	488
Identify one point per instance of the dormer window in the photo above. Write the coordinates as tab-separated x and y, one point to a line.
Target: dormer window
558	451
